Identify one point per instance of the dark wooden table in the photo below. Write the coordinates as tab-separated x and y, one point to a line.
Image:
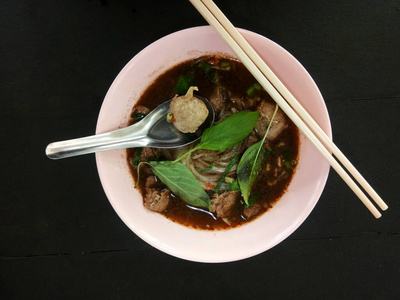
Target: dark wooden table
60	237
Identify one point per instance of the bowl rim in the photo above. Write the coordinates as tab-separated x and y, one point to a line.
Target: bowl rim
168	248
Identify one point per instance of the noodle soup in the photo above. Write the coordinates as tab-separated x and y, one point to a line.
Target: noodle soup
231	89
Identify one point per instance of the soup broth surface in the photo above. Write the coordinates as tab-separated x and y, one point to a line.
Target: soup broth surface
231	88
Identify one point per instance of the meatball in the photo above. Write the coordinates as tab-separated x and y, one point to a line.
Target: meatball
188	112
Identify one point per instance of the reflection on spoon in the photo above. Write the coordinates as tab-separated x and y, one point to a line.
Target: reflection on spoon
152	131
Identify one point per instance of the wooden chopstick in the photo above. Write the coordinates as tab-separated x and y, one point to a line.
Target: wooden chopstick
276	89
274	80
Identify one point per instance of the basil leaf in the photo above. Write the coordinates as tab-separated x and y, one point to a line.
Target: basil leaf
248	168
178	178
184	82
229	132
250	164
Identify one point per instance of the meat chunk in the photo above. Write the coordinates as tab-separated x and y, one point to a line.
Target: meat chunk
217	99
140	109
251	211
155	200
223	204
251	139
149	153
188	111
266	111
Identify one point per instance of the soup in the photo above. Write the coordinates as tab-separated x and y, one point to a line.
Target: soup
273	141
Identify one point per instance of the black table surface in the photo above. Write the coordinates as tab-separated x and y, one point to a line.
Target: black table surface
61	239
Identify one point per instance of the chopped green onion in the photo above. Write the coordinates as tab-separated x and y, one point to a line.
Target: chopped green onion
228	168
229	179
207	169
205	66
213	75
225	65
288	165
169	117
251	91
257	86
233	186
135	161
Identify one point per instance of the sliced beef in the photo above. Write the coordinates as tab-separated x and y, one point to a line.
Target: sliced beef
266	111
217	99
251	211
155	200
223	204
140	109
149	154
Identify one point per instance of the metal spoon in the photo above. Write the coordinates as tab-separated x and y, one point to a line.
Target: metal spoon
152	131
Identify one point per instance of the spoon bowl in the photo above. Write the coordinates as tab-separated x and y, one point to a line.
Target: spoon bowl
152	131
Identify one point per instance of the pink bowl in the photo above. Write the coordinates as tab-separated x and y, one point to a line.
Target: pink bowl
206	246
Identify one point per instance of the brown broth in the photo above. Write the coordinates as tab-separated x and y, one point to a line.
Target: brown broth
237	80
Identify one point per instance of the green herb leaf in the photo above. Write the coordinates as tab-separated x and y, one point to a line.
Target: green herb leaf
225	65
135	161
250	164
248	168
205	66
227	133
184	82
251	91
178	178
255	87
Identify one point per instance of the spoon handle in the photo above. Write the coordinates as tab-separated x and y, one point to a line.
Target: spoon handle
129	137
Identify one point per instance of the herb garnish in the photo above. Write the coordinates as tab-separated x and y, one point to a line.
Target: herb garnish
227	133
181	181
255	87
250	164
184	82
135	161
178	178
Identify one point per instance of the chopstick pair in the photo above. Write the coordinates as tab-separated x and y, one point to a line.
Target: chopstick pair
287	102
